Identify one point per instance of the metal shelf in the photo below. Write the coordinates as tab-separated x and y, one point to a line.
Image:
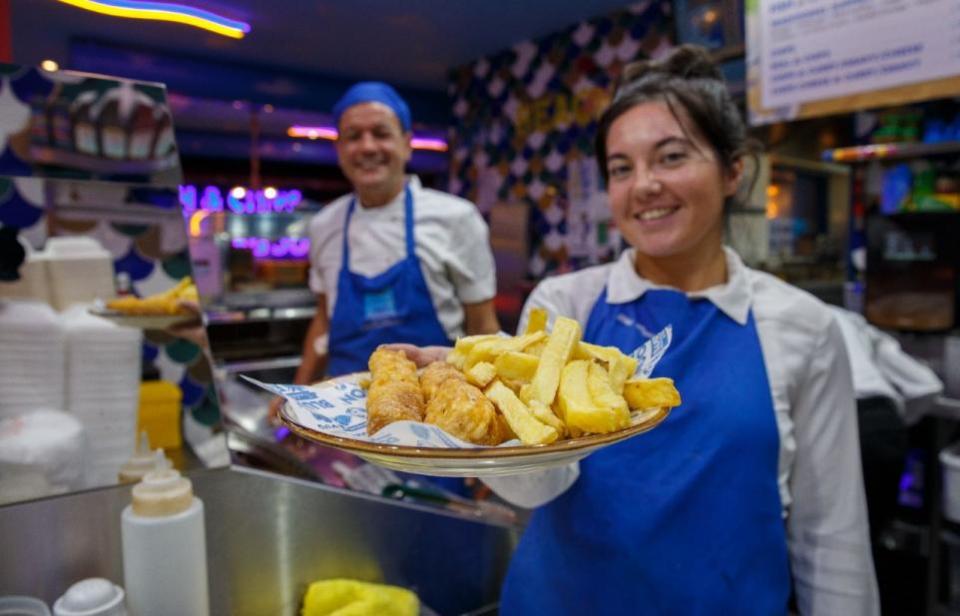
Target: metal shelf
46	155
946	408
276	363
890	151
260	315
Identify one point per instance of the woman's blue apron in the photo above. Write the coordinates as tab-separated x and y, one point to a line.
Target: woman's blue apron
394	306
685	519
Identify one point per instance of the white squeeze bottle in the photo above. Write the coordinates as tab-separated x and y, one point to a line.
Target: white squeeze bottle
164	548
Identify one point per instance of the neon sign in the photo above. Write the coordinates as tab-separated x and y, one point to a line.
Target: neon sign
239	200
330	134
266	248
165	11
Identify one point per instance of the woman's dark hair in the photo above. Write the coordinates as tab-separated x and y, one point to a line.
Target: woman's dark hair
685	79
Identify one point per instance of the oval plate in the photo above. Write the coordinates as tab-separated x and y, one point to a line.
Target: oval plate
142	321
442	461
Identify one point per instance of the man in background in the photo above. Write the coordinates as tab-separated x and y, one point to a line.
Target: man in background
392	261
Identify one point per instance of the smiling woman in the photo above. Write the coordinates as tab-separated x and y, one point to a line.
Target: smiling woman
667	193
671	147
767	431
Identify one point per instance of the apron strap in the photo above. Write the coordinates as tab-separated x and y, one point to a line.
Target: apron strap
408	220
408	225
345	255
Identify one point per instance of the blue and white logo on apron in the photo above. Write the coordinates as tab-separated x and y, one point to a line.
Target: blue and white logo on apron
379	305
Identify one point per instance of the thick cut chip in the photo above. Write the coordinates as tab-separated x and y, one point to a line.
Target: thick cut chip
466	343
563	340
622	370
620	366
527	428
603	395
515	386
577	406
463	346
573	391
536	349
545	415
517	366
481	374
537	322
456	359
651	393
489	350
189	294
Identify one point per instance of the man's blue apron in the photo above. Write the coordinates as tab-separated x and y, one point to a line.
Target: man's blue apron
685	519
394	306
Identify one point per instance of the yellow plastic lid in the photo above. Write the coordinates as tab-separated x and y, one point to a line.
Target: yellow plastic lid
159	391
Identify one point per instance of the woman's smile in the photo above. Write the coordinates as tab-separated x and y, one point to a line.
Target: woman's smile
655	214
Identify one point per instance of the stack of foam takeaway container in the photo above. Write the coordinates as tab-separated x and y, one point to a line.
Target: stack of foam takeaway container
31	358
103	386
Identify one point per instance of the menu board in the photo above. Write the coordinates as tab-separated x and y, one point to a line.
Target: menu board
812	57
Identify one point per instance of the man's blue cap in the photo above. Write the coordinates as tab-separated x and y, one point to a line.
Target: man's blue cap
373	92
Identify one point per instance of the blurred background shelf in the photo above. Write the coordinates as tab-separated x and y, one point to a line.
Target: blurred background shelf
890	151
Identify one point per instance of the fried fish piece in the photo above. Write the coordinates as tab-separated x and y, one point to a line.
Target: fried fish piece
462	410
388	365
459	408
394	393
434	375
164	303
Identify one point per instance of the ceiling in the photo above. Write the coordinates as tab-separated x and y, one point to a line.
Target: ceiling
410	42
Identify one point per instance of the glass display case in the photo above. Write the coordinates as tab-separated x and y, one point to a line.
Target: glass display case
89	169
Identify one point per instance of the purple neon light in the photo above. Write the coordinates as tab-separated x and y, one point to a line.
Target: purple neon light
281	248
330	133
312	132
428	143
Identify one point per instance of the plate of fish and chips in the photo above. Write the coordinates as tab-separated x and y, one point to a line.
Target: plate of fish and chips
158	311
498	405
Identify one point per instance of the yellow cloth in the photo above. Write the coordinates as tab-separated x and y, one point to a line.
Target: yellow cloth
354	598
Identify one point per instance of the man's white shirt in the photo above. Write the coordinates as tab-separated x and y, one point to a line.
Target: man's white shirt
451	242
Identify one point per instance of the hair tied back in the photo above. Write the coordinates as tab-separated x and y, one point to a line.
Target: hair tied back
684	62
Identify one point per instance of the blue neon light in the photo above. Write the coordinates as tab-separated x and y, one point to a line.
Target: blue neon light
181	9
211	199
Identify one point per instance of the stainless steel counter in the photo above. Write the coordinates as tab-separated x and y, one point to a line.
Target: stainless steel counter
268	537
